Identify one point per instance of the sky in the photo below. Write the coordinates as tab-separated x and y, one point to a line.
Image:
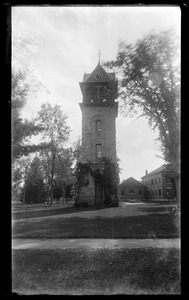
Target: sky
58	44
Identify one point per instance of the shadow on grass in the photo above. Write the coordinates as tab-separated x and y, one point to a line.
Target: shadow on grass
58	211
129	271
143	226
156	209
162	202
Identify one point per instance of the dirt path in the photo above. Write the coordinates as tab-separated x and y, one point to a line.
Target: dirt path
94	243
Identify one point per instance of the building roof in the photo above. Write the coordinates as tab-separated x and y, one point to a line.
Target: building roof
131	182
103	75
158	170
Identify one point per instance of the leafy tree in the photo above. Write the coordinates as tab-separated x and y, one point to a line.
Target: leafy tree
23	86
77	150
17	180
111	182
34	188
82	171
45	161
63	172
21	170
149	80
108	178
21	129
55	134
63	166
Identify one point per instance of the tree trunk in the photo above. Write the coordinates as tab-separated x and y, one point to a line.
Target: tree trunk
177	184
48	196
24	194
52	179
51	196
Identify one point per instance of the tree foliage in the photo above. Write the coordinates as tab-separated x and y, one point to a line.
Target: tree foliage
55	161
111	182
55	134
108	177
77	150
20	174
22	130
34	190
157	54
63	166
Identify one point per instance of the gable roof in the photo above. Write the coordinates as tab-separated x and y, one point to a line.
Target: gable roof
106	77
158	170
131	182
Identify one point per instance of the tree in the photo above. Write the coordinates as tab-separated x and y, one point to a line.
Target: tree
21	129
63	172
149	80
34	188
111	182
77	150
55	133
45	161
21	170
108	178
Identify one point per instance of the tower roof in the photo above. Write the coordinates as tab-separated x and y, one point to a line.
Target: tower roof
98	75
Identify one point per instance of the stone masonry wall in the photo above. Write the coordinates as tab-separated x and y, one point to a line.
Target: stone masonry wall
107	137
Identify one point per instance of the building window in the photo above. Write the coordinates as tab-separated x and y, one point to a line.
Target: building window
168	179
156	193
152	192
148	182
98	150
159	192
122	192
169	191
152	181
140	192
159	179
98	126
155	180
131	191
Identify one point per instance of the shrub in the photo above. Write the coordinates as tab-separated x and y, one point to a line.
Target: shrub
81	204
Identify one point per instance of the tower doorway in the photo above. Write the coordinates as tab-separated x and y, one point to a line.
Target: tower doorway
98	194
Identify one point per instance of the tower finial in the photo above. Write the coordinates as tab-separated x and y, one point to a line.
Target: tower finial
99	55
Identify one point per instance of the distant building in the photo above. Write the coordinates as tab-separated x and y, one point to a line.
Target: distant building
132	189
158	183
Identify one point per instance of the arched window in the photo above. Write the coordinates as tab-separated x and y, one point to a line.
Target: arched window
98	126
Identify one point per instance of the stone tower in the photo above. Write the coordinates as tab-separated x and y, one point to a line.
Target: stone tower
99	112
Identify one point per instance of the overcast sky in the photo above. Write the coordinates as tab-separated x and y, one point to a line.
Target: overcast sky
58	44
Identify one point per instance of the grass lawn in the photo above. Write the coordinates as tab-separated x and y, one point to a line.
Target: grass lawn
146	220
102	271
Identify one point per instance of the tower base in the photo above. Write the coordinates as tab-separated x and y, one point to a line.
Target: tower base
92	194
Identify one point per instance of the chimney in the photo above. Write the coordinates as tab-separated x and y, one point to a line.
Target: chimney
146	171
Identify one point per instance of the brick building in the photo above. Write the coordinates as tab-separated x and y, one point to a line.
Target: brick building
99	112
159	184
132	189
